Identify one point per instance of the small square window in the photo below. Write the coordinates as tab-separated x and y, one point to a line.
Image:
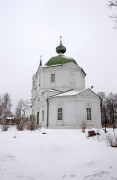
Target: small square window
52	77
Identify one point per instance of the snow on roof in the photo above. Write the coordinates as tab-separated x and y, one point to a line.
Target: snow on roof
71	93
68	93
45	66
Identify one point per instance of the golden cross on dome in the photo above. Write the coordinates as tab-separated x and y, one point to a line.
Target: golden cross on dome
40	57
60	39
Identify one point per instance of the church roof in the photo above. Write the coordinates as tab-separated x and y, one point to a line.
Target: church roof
72	93
68	93
60	59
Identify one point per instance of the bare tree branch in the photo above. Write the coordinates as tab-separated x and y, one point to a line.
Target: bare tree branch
112	3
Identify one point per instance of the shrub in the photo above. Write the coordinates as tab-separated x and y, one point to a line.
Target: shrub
83	125
111	139
31	125
21	125
5	127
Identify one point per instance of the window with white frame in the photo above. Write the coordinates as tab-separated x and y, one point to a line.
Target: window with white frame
88	113
52	78
60	113
42	115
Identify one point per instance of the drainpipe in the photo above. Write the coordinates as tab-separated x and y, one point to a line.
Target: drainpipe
47	111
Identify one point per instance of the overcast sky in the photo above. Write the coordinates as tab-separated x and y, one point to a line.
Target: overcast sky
30	28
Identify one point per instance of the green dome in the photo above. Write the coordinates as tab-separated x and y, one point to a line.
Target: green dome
60	49
60	59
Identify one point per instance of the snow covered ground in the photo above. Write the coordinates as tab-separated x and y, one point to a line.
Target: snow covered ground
60	154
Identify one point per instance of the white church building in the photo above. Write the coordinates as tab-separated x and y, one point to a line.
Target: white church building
59	98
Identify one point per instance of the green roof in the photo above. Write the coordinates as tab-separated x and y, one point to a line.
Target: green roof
60	59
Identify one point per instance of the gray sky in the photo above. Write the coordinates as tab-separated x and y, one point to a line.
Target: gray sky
29	28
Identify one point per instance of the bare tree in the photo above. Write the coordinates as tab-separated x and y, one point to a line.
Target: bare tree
111	4
19	106
0	107
111	107
103	106
6	105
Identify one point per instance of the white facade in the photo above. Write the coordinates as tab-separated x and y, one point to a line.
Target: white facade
74	107
59	97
